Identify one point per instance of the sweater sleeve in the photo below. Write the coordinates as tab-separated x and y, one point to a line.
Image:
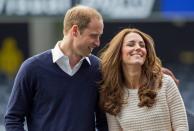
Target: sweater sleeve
176	107
20	100
101	122
113	123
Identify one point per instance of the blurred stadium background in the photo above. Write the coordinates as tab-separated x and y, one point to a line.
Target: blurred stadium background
28	27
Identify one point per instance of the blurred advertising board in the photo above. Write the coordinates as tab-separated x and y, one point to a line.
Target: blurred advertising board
34	7
110	9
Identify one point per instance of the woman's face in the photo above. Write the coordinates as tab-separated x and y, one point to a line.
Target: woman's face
133	50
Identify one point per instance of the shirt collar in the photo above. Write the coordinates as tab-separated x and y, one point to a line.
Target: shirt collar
58	54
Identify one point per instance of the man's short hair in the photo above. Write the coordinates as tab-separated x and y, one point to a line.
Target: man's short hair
81	16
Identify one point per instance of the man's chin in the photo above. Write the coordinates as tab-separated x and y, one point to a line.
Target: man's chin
89	53
86	55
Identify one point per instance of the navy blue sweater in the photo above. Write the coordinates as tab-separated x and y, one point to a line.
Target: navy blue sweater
51	100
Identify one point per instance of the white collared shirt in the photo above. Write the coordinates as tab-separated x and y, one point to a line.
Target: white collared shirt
63	60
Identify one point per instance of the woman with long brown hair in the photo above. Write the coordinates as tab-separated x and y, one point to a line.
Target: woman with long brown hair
135	94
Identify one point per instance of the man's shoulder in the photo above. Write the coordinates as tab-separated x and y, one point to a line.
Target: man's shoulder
37	59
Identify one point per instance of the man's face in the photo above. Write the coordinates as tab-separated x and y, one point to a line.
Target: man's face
89	38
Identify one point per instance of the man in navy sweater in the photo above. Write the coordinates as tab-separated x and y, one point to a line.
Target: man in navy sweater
57	90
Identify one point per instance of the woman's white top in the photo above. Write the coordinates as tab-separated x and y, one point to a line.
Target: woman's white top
168	113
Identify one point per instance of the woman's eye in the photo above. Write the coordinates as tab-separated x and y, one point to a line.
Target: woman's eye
142	44
130	44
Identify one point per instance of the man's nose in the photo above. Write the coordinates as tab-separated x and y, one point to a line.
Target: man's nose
97	42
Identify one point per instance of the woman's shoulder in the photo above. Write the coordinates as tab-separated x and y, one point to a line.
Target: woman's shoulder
168	82
167	79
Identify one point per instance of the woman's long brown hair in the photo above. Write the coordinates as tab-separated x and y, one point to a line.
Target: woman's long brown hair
113	81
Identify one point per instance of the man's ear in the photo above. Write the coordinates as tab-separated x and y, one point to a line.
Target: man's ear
74	30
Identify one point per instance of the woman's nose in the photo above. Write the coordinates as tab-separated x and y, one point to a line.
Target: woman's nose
137	47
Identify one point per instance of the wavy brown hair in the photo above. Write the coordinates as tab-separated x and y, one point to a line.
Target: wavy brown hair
113	81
